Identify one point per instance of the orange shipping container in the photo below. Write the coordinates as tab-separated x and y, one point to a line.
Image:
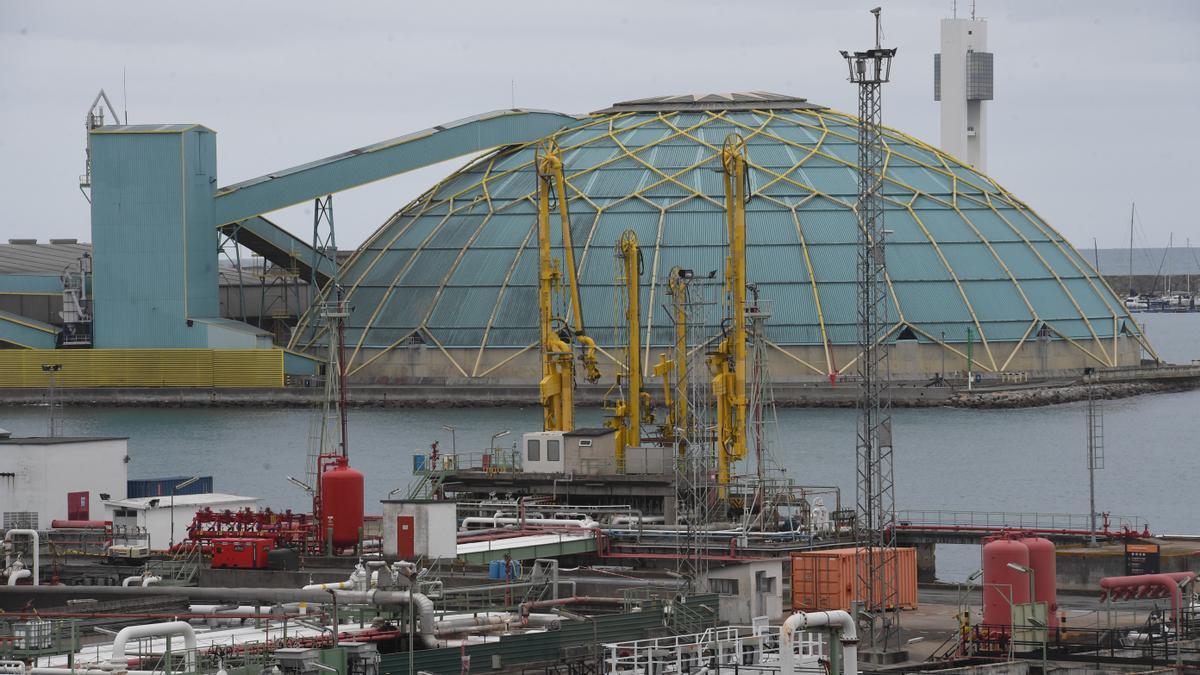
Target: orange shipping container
828	579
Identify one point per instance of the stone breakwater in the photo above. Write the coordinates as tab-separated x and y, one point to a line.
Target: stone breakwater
903	395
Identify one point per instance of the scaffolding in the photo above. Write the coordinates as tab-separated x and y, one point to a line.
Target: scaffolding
693	300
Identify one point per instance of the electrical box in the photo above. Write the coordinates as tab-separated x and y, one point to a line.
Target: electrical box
245	553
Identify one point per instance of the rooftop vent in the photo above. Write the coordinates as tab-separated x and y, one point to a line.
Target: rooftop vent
22	241
5	433
64	241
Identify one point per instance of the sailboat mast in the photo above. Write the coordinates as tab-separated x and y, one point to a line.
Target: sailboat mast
1131	207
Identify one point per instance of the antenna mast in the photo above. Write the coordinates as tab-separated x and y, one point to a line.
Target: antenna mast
877	605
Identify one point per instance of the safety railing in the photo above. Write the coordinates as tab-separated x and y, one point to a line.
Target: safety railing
918	518
496	460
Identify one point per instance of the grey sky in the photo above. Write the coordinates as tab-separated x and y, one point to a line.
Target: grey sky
1093	99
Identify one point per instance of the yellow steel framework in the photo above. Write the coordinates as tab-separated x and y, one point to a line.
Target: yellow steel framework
633	408
728	362
811	138
673	370
558	360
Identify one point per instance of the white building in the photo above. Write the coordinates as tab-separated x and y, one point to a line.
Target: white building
748	590
962	81
156	514
45	479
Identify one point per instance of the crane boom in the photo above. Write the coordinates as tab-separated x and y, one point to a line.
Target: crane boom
550	167
728	363
628	413
557	386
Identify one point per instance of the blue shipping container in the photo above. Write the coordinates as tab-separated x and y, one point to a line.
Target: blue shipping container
161	487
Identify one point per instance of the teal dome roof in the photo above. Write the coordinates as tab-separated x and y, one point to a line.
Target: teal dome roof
458	266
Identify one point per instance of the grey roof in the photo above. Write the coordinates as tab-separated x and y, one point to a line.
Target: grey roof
591	431
147	128
738	100
43	258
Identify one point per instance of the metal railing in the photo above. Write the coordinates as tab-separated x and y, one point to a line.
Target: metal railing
734	647
916	518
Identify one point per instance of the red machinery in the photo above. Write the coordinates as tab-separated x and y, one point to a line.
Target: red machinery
247	553
289	529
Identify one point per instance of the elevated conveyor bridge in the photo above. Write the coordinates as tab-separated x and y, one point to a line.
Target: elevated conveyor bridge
239	207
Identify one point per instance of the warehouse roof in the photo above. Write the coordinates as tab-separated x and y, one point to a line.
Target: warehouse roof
26	256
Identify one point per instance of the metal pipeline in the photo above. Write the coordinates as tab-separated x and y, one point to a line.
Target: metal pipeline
17	575
119	663
1165	585
526	607
422	604
36	551
150	580
808	620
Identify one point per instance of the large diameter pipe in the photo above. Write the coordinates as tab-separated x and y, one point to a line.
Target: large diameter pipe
119	663
422	604
802	621
36	550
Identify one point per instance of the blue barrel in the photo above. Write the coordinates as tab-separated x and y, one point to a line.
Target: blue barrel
496	570
418	463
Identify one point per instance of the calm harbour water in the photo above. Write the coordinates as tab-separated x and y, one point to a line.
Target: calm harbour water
984	460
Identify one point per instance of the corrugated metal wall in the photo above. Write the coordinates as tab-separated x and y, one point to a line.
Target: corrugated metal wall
154	242
144	368
539	647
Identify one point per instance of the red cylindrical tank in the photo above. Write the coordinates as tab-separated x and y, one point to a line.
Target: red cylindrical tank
342	503
1002	585
1043	560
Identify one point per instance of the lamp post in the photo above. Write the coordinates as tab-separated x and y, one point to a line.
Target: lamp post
1028	572
174	487
453	444
500	434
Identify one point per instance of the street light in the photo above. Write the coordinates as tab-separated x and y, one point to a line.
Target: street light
178	486
453	444
1029	574
498	435
300	484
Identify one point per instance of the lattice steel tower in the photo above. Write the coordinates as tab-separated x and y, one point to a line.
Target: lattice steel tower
878	615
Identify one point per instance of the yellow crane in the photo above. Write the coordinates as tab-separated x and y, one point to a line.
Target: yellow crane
557	386
631	410
727	364
675	392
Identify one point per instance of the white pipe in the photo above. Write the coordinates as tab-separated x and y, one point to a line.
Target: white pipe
87	671
129	581
806	620
119	663
150	580
18	575
497	522
335	586
36	550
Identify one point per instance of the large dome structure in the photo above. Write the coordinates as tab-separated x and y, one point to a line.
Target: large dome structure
445	290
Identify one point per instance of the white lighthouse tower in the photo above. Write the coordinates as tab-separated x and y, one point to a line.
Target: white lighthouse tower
962	81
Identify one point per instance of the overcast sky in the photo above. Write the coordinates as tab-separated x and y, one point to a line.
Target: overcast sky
1096	102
